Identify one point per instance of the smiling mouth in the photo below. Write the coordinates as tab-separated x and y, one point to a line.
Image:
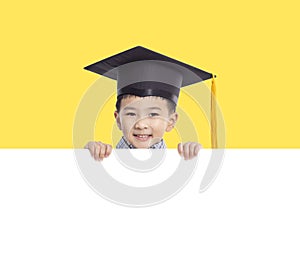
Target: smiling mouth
142	137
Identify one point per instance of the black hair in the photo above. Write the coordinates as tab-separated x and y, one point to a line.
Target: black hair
171	105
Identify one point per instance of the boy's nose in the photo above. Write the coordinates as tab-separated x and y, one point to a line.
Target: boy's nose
141	124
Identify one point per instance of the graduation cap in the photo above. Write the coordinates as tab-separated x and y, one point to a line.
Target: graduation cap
142	72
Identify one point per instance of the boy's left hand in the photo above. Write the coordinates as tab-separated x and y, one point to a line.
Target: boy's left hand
189	150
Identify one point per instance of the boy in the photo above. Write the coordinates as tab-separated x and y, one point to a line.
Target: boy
143	121
148	86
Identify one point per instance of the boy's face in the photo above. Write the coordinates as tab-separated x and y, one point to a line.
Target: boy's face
144	120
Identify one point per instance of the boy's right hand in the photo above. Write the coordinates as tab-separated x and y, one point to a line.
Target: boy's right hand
98	150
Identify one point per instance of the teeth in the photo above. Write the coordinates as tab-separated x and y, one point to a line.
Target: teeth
143	136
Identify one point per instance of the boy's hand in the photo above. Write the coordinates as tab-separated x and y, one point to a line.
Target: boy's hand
98	149
189	150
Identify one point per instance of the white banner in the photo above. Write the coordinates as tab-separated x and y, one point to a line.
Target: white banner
248	216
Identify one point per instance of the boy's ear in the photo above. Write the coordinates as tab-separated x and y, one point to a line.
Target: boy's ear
172	121
117	117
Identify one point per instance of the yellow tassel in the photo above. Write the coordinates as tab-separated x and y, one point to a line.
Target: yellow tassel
213	115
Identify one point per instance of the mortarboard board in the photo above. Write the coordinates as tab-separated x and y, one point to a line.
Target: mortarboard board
143	72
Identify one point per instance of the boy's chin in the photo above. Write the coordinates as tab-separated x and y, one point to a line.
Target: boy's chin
142	145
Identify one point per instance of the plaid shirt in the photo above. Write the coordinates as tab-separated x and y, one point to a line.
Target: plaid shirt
124	144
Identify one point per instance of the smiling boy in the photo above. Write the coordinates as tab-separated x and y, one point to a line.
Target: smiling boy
143	122
148	86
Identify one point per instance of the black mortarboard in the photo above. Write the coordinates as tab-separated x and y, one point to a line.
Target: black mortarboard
142	72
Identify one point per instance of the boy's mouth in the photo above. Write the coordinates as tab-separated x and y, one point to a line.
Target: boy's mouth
142	137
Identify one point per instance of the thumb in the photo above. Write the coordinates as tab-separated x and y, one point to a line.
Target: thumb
180	149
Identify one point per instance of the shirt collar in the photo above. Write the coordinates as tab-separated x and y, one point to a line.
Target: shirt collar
124	144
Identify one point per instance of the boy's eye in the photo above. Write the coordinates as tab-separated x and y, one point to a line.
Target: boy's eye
130	114
153	114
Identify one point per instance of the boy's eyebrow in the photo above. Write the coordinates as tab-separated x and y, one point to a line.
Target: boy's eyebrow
149	108
129	108
154	108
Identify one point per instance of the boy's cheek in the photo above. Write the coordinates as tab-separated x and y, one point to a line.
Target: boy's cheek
127	127
160	124
125	123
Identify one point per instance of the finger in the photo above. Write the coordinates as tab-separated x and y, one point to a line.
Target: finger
102	151
90	148
97	151
186	150
180	149
197	149
192	150
108	150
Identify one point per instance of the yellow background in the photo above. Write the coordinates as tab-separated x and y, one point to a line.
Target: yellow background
252	47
